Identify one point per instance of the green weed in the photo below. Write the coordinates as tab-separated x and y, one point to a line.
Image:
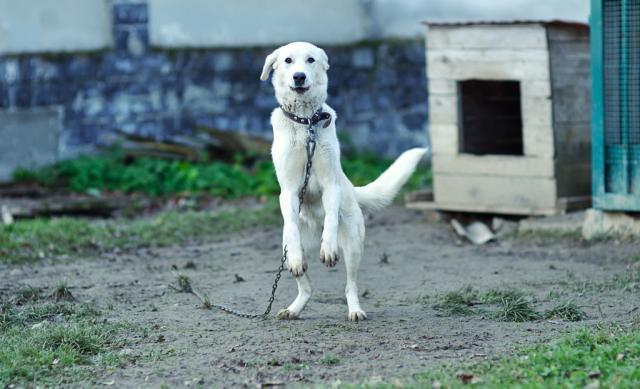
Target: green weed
568	311
457	302
328	360
507	304
499	295
245	176
517	309
61	292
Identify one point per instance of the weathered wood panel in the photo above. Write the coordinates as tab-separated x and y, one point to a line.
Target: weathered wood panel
442	86
574	179
444	138
488	64
497	165
521	36
484	193
538	141
571	88
535	88
443	109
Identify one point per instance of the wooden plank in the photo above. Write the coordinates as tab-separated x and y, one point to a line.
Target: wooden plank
535	88
536	111
477	208
444	138
495	192
523	36
443	109
498	165
488	64
442	86
419	195
538	141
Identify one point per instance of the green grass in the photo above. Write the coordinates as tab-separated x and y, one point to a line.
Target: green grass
567	311
457	302
503	304
48	344
245	176
32	240
515	309
611	358
328	360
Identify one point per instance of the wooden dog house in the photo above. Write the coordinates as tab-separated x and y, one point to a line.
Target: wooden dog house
509	116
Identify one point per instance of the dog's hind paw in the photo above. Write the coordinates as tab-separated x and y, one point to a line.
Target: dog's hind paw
285	314
357	316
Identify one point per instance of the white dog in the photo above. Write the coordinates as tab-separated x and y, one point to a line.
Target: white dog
330	222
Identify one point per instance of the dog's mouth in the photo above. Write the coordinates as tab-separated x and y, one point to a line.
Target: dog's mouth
299	89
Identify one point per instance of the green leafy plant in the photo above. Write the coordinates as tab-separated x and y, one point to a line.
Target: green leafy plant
245	176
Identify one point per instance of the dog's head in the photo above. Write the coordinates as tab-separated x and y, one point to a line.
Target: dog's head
299	72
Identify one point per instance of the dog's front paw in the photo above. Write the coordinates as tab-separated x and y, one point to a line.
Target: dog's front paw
296	266
328	254
357	315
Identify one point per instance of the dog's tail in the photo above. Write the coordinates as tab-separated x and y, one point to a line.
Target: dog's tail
381	192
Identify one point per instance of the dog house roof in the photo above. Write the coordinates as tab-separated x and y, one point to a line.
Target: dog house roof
555	22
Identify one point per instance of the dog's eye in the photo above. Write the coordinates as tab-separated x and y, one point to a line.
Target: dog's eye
311	60
288	60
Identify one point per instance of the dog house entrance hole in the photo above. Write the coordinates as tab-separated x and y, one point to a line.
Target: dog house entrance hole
490	117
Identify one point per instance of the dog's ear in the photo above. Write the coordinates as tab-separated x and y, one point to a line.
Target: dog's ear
269	64
324	60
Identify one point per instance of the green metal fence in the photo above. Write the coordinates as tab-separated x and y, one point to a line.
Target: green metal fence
615	52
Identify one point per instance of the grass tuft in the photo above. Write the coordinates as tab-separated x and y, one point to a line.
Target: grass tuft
183	284
61	292
457	302
498	295
26	295
517	310
206	303
329	360
568	311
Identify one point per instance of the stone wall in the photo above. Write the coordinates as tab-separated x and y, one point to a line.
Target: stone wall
378	89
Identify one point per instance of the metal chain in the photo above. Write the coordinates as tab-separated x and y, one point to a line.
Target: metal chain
311	149
271	298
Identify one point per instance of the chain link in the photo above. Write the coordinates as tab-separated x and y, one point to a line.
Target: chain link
311	149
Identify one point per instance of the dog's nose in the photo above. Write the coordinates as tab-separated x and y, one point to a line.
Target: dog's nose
299	78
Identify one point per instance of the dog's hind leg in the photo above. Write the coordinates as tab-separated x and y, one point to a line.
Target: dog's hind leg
352	246
309	239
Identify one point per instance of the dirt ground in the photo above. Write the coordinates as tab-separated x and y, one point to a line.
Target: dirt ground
404	334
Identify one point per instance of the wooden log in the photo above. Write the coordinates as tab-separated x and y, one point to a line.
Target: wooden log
58	205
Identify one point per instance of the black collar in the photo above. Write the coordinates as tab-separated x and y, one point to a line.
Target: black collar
318	116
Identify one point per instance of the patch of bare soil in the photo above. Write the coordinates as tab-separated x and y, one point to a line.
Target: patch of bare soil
404	334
